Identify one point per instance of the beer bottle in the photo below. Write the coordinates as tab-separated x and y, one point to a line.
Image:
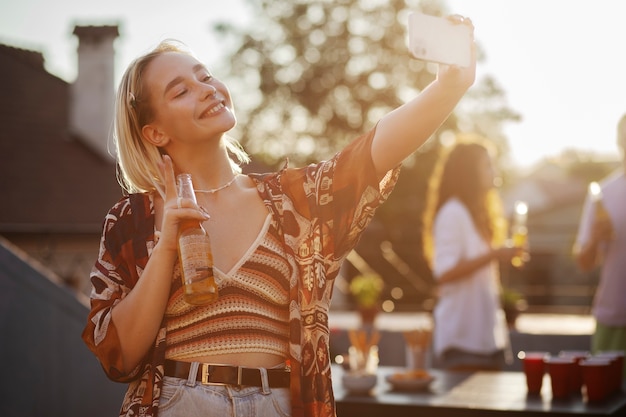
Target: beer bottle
194	254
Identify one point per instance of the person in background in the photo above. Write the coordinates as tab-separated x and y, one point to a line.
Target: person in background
464	237
278	240
601	242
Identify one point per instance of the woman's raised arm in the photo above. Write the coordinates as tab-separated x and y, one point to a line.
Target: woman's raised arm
405	129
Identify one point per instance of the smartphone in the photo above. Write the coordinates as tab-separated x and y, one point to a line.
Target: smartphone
437	39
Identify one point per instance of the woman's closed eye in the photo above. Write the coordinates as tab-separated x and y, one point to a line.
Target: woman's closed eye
204	79
180	93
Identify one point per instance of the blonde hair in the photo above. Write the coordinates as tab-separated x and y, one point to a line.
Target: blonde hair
138	159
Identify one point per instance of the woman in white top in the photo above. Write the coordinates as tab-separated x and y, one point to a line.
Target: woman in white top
464	235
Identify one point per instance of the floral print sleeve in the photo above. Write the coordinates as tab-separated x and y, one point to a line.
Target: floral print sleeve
124	249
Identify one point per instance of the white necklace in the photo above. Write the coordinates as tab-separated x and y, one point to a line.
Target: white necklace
214	190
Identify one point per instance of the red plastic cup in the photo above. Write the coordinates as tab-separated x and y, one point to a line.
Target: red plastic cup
534	369
560	369
597	378
576	380
617	367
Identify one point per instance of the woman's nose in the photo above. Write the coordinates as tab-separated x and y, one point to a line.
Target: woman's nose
210	91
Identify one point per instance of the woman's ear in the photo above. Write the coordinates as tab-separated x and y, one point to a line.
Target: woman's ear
154	135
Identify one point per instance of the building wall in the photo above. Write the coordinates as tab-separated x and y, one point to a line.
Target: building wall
47	370
69	256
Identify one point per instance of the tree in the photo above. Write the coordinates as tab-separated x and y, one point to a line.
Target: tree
316	73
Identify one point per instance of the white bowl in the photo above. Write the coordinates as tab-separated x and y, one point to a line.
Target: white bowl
358	383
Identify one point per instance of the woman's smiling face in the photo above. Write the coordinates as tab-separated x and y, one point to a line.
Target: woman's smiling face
189	104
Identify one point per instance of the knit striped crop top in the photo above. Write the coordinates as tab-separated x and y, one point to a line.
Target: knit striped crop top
251	313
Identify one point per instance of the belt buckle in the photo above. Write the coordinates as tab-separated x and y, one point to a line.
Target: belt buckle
239	375
206	375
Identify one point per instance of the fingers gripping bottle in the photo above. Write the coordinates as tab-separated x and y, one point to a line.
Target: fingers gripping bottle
194	254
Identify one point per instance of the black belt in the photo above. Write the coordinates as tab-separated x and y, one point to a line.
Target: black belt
228	375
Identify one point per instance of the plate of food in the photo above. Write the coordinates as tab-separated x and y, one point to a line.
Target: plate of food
414	380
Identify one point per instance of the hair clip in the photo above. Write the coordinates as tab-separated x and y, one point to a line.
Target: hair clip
131	99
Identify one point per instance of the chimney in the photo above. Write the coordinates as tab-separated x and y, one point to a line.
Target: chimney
92	95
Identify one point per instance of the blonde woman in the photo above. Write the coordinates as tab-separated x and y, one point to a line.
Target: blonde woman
278	241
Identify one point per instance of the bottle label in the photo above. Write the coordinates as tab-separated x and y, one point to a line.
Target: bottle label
195	258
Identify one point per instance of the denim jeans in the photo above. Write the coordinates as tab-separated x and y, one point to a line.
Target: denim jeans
189	398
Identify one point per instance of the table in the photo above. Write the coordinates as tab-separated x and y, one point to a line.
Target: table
466	394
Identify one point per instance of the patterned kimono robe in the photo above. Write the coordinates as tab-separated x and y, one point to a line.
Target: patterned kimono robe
322	209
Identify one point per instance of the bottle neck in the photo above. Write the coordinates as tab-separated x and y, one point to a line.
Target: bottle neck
191	224
185	187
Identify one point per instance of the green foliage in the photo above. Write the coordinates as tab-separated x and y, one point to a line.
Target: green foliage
512	299
310	75
366	289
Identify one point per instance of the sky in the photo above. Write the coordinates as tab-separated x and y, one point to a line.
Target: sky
561	63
